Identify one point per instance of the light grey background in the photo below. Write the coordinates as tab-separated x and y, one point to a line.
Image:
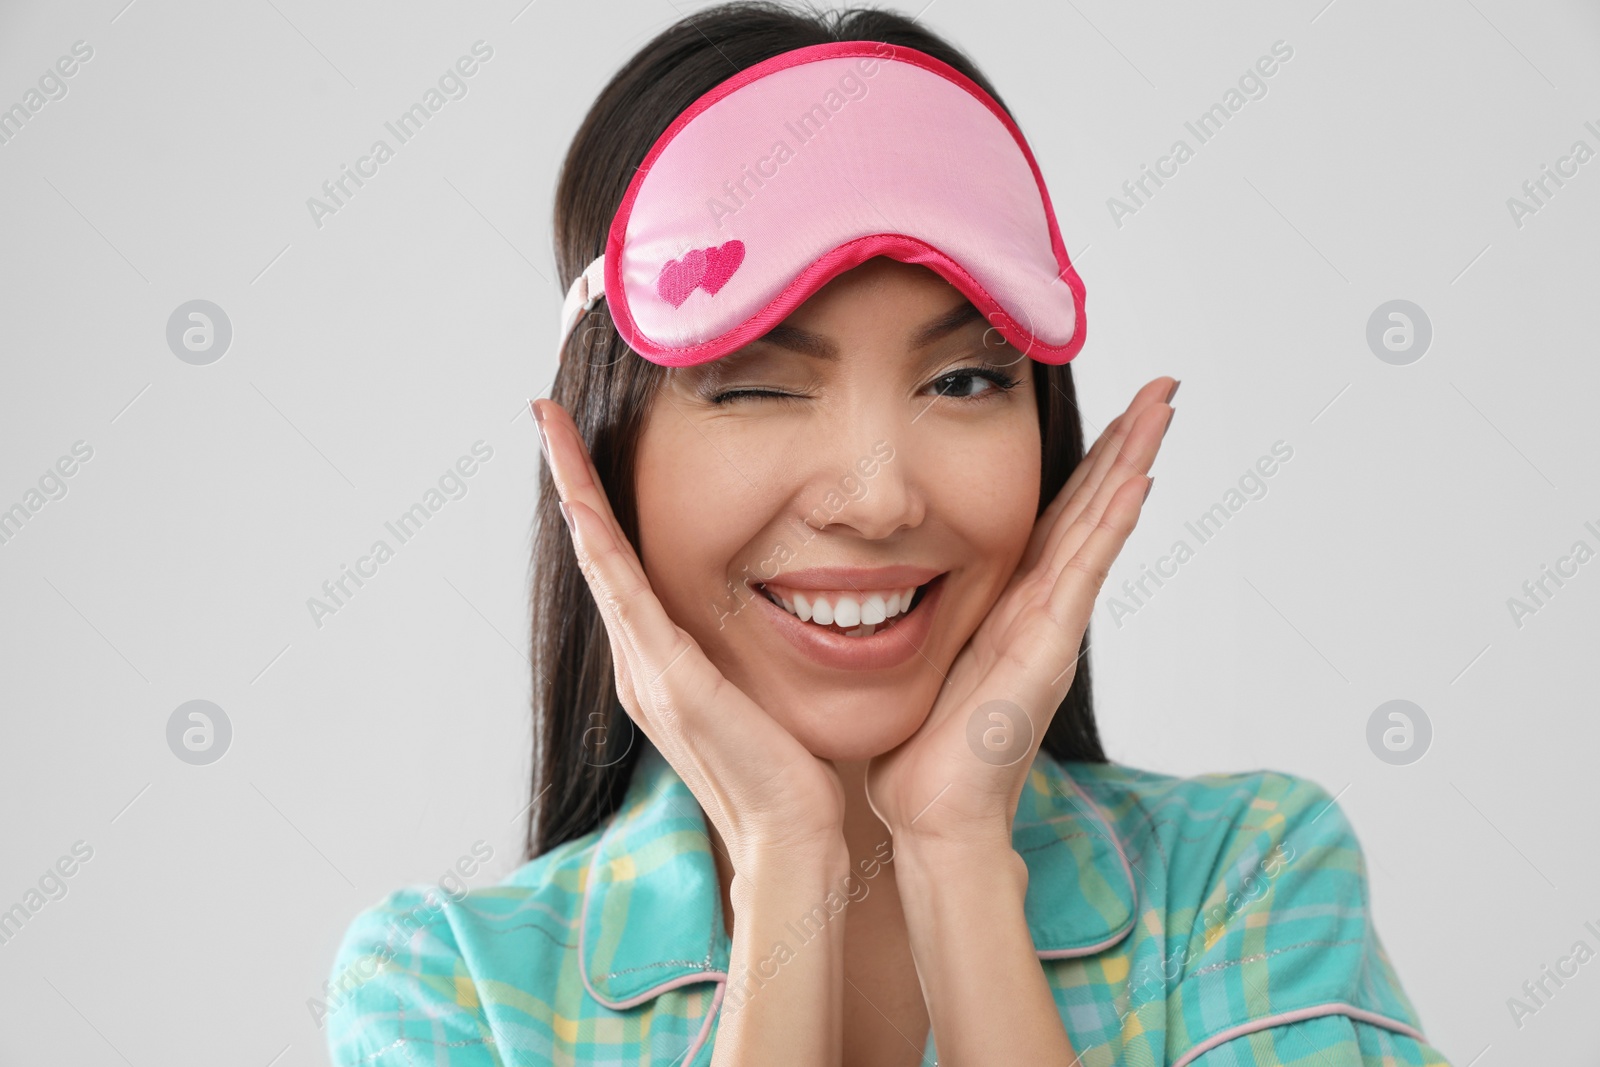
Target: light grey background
371	352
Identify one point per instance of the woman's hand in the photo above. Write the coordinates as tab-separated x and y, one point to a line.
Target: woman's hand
958	779
762	790
949	793
777	808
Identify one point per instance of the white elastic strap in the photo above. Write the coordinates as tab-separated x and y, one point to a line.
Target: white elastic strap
587	289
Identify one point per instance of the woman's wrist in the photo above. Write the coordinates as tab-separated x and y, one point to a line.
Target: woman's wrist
935	843
937	874
771	875
783	1001
981	977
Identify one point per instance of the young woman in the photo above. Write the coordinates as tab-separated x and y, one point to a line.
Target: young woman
816	778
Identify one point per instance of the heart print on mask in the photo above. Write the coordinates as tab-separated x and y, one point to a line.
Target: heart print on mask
699	268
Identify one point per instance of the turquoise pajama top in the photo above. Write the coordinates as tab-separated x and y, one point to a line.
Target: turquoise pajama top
1216	921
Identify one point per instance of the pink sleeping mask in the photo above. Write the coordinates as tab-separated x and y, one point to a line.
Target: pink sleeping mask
810	163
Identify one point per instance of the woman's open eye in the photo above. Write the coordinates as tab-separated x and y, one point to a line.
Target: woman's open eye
957	383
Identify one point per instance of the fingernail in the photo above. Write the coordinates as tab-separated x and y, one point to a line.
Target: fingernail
544	444
567	517
538	415
1147	489
1169	423
1174	391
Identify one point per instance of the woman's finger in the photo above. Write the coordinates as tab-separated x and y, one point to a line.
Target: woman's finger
1132	456
1047	519
577	484
632	614
1134	461
644	639
1152	393
671	680
573	471
1157	390
1090	471
1084	572
625	594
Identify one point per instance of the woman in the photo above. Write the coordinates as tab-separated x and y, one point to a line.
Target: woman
817	778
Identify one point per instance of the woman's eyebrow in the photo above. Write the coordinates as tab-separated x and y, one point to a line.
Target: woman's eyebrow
947	323
811	344
803	341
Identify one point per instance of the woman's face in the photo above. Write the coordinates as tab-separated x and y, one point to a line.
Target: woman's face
893	456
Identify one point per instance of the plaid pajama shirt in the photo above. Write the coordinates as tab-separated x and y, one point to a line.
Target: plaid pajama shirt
1216	921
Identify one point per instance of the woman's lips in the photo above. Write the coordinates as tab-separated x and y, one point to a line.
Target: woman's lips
889	647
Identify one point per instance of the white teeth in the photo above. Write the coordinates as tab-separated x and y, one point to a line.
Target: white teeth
821	612
873	609
857	614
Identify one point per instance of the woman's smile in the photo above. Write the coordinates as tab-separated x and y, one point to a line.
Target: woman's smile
854	618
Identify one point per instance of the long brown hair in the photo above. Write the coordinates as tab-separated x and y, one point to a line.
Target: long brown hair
585	746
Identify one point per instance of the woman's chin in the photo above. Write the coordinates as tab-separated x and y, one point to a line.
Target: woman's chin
854	736
844	723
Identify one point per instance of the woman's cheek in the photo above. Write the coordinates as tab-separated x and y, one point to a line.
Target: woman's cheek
999	493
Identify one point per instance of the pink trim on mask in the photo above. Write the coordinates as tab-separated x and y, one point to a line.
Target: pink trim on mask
830	265
1023	274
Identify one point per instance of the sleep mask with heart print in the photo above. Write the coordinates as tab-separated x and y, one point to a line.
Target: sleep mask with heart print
812	162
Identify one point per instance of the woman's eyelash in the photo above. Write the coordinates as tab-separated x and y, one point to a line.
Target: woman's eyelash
736	394
999	378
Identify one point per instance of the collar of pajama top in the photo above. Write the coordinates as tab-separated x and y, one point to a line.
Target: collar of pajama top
652	918
1171	915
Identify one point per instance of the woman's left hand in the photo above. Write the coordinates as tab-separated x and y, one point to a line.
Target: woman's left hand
958	779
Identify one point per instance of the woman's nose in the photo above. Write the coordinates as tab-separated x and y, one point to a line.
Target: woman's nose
866	485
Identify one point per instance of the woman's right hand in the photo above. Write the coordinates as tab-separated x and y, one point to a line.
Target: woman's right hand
766	794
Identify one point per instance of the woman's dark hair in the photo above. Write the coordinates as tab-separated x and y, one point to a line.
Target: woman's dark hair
585	746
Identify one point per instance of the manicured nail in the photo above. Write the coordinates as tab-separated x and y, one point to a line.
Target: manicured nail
1147	489
1169	423
1174	391
538	415
567	516
544	444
